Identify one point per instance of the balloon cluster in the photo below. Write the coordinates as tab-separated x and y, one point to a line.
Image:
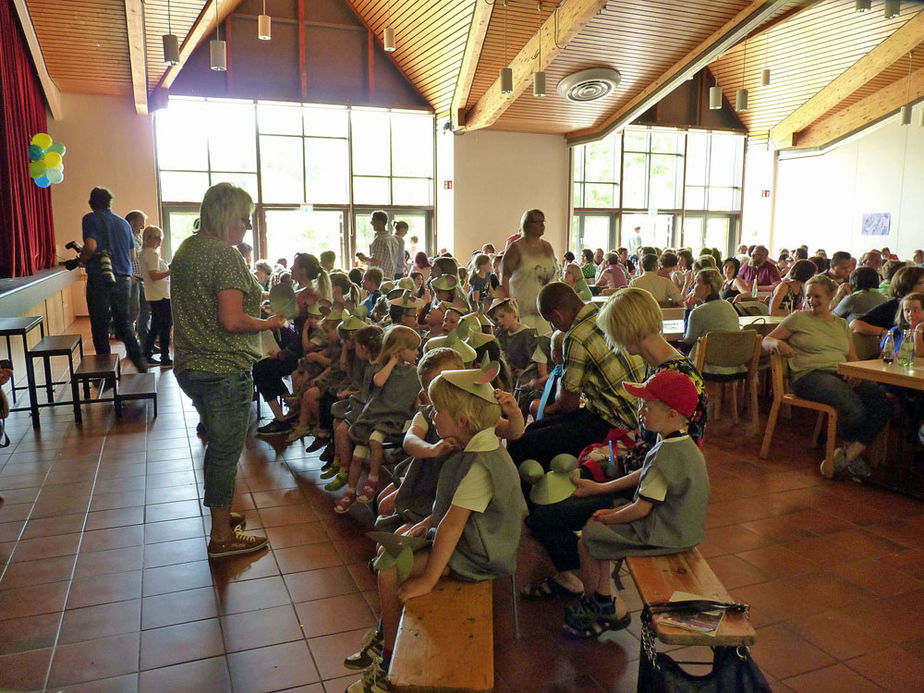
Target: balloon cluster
46	165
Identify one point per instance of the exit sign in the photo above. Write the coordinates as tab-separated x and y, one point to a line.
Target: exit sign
765	193
447	185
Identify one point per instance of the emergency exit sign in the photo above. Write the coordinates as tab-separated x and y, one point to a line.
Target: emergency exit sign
447	185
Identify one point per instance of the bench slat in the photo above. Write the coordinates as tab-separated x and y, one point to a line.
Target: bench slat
445	640
658	577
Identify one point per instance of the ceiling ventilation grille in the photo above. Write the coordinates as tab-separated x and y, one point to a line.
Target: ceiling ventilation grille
589	85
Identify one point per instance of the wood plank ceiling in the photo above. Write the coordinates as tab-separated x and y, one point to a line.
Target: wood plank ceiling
85	45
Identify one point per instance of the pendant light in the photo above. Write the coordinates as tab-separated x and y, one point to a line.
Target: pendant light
765	73
741	95
171	42
893	8
539	75
264	25
388	36
905	111
506	73
715	97
218	49
863	5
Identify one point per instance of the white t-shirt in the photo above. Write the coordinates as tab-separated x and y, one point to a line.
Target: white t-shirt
154	290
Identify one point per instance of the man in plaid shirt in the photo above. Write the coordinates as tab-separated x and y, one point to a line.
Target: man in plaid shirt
384	247
594	369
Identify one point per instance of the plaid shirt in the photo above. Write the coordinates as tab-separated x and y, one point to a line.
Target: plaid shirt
384	251
598	370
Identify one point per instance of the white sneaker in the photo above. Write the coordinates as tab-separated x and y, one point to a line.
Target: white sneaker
374	680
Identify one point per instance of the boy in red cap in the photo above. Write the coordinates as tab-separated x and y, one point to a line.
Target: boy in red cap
668	511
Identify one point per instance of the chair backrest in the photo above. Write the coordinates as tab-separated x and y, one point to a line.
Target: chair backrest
779	375
727	348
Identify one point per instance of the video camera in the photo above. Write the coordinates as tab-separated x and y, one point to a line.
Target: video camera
103	256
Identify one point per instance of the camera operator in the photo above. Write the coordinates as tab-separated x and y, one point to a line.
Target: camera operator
108	253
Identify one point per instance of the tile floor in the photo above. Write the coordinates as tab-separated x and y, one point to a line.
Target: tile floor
105	584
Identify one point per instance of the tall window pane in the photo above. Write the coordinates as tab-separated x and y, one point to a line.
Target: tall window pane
231	128
276	119
326	121
634	181
371	143
412	191
412	145
282	169
599	195
182	186
182	142
371	191
697	158
600	164
247	181
665	186
328	169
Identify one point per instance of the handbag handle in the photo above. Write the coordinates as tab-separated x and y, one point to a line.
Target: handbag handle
694	606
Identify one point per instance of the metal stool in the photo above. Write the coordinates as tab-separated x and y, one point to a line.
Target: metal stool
56	345
102	367
11	327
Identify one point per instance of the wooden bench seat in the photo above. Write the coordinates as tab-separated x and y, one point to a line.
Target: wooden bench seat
136	386
658	577
446	640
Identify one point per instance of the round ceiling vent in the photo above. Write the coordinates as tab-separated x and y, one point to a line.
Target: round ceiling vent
589	85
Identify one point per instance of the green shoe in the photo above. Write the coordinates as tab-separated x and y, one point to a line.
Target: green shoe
331	469
338	482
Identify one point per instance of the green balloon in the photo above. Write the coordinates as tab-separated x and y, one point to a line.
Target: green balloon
54	175
58	147
37	169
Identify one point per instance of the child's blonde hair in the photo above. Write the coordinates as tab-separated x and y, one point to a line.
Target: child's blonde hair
900	318
478	413
508	307
150	233
397	338
438	360
574	269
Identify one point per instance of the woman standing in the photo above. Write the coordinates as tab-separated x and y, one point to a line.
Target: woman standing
529	264
816	341
215	308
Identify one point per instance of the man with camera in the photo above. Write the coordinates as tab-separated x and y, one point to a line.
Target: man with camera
108	252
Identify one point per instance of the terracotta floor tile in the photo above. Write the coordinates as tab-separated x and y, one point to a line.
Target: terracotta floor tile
51	526
94	659
13	512
32	600
774	601
877	578
833	678
277	497
175	478
193	677
117	684
170	552
894	669
102	589
106	562
110	501
251	566
114	538
329	651
318	584
781	653
307	557
171	494
735	572
364	578
118	517
838	634
100	621
31	573
120	484
172	511
779	561
24	671
175	578
181	643
28	633
272	668
47	547
10	531
253	629
251	595
335	615
172	530
178	607
724	540
286	515
532	663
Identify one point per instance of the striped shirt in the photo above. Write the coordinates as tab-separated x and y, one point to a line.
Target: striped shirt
384	251
597	369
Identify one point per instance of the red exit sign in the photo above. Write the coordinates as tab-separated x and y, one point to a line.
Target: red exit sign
447	185
765	193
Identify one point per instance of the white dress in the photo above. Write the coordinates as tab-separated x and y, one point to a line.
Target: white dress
534	271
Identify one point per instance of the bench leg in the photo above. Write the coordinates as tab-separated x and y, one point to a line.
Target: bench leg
516	607
75	390
771	425
33	388
49	388
755	410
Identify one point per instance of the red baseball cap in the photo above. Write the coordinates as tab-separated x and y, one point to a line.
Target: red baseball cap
673	388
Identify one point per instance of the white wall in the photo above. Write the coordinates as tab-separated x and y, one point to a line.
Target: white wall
820	200
499	175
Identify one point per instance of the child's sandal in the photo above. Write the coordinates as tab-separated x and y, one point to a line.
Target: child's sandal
345	503
367	493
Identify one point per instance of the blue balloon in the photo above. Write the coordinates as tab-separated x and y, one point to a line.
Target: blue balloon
42	182
35	152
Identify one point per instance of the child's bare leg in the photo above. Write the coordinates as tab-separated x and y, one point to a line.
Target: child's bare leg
342	445
390	604
387	500
376	454
595	574
304	411
356	468
313	402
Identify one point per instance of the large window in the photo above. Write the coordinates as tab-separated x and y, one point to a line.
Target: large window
312	170
679	188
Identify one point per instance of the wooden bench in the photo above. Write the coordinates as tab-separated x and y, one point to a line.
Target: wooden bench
446	640
102	367
658	577
136	386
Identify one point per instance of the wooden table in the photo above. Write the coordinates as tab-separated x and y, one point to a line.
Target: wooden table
673	329
886	373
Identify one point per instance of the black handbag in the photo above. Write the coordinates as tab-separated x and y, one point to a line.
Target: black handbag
733	669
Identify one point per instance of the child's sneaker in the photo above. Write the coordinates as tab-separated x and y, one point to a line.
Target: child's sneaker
345	503
318	443
298	433
339	481
368	651
330	469
374	680
239	543
588	619
367	493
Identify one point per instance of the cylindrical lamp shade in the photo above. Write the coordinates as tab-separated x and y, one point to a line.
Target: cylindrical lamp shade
506	80
765	77
539	83
388	39
864	5
264	27
171	49
741	100
906	114
218	59
715	98
893	8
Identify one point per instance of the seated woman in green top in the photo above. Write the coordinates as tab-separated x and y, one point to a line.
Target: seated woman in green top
815	341
575	279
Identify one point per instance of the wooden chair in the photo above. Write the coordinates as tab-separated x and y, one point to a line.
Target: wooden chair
781	395
728	348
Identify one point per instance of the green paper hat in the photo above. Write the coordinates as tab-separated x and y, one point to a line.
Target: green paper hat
399	552
319	308
498	302
405	283
479	339
282	301
355	320
445	282
475	381
445	266
337	315
385	287
455	340
554	486
460	309
406	300
483	320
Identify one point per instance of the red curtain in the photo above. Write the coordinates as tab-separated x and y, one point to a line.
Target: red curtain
27	235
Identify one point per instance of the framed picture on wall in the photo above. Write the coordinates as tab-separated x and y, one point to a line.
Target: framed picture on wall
876	224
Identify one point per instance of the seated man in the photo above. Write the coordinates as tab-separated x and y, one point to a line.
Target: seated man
592	368
759	269
663	289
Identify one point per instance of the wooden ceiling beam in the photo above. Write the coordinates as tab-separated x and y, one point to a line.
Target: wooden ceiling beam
568	19
49	88
737	28
477	31
897	46
881	104
205	24
134	22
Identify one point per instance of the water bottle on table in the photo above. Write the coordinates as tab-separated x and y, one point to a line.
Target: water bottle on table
906	350
888	348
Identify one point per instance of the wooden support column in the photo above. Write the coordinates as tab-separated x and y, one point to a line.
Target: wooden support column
302	51
370	68
134	24
477	31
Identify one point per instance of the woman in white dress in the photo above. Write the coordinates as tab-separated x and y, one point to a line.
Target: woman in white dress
529	264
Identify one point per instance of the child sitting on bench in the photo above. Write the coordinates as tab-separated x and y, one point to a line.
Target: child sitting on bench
667	515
